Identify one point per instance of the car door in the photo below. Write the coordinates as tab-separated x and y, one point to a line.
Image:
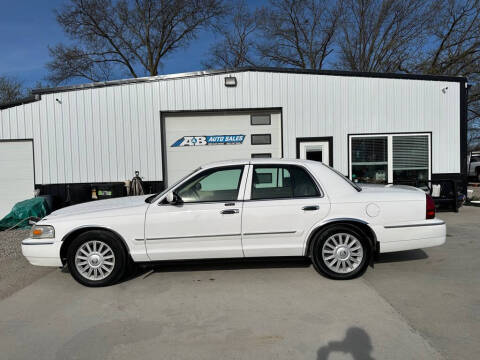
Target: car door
207	224
282	203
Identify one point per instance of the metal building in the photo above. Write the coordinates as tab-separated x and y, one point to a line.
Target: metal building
379	128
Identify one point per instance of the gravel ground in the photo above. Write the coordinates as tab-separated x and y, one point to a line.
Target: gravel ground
15	271
10	243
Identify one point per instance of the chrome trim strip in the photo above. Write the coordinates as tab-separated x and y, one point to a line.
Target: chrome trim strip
414	225
37	243
191	237
270	233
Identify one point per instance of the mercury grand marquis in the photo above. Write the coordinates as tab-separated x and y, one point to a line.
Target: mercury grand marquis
239	209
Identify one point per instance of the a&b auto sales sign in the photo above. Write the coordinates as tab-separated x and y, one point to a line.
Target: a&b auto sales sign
209	140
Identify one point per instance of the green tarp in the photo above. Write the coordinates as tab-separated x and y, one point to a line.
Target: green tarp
37	207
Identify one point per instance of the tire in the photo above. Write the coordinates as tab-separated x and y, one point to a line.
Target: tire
340	252
96	258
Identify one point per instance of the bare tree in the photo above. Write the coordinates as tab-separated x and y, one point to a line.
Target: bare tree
10	89
381	35
299	33
454	38
129	35
237	44
454	49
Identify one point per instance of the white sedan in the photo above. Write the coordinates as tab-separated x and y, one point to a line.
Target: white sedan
240	209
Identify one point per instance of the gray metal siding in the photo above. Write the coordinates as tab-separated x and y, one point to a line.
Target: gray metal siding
105	134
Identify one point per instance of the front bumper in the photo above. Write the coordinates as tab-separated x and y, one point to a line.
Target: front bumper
409	236
42	252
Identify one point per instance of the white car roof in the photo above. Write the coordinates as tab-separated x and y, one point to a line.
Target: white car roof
260	161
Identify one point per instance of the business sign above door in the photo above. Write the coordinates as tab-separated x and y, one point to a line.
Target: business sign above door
209	140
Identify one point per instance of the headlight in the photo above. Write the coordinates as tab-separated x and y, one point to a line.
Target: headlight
42	232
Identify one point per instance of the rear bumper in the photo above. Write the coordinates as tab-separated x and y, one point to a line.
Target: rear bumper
410	236
42	252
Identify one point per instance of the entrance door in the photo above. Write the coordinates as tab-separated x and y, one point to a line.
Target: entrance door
316	149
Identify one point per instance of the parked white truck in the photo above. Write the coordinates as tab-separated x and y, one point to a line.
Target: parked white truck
473	165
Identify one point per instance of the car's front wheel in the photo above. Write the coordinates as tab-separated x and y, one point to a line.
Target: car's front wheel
340	252
96	258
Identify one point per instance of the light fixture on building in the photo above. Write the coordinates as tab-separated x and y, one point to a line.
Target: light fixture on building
230	81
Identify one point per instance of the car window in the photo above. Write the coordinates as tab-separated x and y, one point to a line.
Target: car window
280	182
212	185
303	183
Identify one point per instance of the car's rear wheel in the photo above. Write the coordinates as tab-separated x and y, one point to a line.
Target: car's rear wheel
340	252
96	258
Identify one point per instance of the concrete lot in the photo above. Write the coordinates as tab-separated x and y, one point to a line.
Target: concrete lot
438	290
415	305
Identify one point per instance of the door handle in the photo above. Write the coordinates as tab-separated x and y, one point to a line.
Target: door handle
229	211
310	208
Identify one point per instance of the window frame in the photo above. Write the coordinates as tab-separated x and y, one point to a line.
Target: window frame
269	136
241	184
249	184
390	137
269	119
261	155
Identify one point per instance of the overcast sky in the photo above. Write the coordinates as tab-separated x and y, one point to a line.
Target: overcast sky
27	27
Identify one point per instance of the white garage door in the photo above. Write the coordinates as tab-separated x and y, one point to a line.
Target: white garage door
194	139
16	174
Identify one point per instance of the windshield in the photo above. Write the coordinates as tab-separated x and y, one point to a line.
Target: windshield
355	186
150	199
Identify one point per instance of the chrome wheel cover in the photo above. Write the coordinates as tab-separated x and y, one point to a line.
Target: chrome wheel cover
342	253
95	260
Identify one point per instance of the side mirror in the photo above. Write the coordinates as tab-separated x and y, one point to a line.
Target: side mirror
173	198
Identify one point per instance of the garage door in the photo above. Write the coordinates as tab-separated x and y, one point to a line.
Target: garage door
194	139
16	175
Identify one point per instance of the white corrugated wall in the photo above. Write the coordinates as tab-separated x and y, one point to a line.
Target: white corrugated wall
104	134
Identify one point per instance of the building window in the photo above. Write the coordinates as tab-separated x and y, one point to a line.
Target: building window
263	119
392	158
410	159
261	139
258	156
370	160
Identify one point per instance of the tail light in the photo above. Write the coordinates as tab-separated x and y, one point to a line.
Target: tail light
430	208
